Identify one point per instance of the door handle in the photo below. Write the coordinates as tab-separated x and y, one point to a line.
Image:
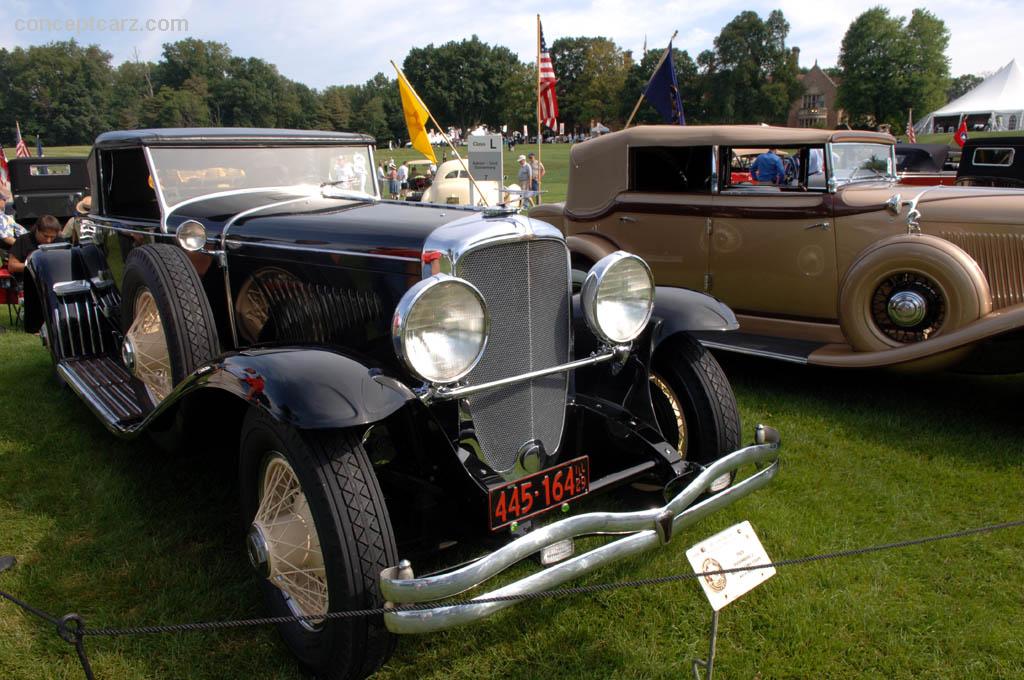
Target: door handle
824	226
626	218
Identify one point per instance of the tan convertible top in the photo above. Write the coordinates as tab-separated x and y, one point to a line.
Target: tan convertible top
599	166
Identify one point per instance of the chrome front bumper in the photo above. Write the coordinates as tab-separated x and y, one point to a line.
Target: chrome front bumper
645	530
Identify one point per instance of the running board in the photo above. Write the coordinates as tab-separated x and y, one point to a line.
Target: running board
782	349
111	392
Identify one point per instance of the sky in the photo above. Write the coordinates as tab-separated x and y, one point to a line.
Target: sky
342	42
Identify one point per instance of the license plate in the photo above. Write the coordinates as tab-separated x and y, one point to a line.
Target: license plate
532	495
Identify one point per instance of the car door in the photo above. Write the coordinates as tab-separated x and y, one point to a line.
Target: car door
772	249
664	216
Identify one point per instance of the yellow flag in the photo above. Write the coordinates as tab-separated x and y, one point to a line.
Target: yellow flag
416	117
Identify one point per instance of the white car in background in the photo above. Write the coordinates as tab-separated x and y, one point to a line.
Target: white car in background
452	186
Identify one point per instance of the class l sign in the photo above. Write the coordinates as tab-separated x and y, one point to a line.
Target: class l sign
485	161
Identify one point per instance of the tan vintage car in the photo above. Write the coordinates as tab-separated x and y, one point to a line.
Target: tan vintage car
835	264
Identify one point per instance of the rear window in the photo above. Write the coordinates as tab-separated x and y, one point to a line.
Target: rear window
993	156
49	170
670	169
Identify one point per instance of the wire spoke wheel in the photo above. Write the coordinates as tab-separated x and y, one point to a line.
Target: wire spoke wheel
669	412
294	559
152	359
908	307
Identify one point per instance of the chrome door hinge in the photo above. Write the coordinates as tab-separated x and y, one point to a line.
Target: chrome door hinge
707	283
707	226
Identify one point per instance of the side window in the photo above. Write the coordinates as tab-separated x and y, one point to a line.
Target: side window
127	185
670	169
772	170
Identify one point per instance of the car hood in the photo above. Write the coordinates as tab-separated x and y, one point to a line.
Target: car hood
286	216
957	204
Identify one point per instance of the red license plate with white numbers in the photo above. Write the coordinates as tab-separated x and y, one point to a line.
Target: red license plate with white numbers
530	496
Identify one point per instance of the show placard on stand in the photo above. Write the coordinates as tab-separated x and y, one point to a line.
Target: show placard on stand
737	546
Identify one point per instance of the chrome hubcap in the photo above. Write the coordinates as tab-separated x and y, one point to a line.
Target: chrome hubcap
259	553
675	413
907	308
128	355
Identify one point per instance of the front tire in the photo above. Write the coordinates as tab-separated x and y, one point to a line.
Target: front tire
693	401
315	502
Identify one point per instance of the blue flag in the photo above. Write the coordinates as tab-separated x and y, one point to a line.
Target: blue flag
662	91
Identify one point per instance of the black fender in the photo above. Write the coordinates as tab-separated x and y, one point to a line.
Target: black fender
680	310
307	388
44	268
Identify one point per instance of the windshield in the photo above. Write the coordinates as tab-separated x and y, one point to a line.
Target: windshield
182	174
857	161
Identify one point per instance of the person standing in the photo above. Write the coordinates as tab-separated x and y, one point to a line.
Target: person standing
403	179
393	186
525	176
538	171
767	168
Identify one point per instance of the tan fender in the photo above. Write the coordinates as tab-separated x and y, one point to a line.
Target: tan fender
552	213
943	281
591	247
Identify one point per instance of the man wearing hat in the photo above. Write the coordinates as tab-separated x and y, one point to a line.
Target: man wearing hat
73	227
525	176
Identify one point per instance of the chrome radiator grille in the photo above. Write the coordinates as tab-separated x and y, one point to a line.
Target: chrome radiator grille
1001	257
525	286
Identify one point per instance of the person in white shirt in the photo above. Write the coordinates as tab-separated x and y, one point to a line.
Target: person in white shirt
403	179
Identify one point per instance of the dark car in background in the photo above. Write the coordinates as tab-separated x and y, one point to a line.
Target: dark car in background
926	164
47	186
992	162
394	378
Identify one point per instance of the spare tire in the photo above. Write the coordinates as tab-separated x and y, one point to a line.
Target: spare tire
168	326
909	288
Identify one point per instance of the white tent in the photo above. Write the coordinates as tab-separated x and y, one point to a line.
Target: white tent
997	103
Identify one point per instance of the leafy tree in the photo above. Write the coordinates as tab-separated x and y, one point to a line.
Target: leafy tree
60	91
178	108
889	67
750	76
460	82
640	73
132	87
337	105
591	74
961	85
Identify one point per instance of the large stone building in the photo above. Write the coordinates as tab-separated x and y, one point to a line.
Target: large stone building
817	106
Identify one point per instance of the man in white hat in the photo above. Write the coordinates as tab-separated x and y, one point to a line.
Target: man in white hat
525	176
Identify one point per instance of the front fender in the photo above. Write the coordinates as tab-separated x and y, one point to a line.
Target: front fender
308	388
678	310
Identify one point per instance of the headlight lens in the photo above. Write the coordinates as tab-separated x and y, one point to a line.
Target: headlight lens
440	328
191	235
618	297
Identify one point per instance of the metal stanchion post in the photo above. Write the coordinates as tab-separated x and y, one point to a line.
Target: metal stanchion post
709	664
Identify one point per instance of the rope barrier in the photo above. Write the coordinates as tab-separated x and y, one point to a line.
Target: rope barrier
73	630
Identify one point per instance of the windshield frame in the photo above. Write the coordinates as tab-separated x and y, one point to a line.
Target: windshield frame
835	181
161	164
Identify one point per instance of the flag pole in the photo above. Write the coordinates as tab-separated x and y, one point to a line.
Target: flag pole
416	94
540	137
661	61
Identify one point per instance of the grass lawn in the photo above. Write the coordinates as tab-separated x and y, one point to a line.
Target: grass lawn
126	534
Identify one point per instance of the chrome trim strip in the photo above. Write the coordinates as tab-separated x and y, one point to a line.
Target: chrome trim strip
714	169
161	203
445	393
81	335
711	344
62	288
60	335
455	239
329	251
646	528
143	232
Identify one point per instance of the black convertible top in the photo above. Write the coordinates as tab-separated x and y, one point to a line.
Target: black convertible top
226	136
921	157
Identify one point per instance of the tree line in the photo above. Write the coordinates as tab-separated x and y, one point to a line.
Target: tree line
68	93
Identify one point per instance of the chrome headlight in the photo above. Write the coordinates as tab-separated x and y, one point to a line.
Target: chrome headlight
191	235
440	328
618	297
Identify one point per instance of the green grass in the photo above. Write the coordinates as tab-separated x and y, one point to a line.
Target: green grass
125	535
79	150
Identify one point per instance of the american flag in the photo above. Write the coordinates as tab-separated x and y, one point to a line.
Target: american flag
911	137
20	150
5	172
546	92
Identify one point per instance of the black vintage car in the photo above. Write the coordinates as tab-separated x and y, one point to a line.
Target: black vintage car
992	162
398	377
50	185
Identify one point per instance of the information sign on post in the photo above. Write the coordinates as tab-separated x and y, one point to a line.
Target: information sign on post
737	546
485	157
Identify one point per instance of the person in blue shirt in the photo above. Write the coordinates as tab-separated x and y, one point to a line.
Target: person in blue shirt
767	168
